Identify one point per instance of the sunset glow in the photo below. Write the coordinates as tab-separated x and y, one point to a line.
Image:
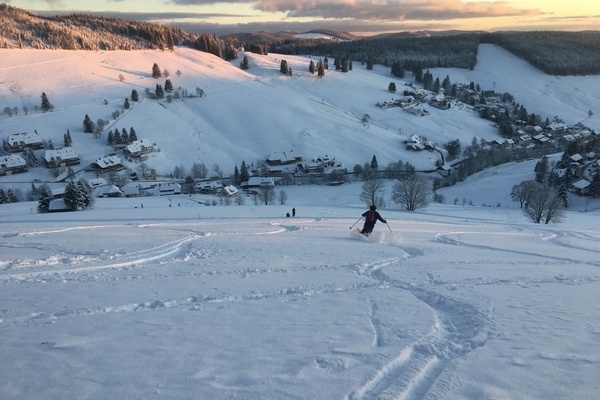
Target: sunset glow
365	17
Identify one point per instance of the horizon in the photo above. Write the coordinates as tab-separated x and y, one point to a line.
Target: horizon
359	17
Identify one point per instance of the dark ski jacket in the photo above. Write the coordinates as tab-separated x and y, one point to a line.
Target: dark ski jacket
371	218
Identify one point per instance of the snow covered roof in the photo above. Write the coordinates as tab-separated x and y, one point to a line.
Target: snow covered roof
24	138
108	161
284	157
12	161
581	184
139	145
66	153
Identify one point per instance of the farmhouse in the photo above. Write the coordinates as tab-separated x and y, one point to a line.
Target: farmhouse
19	141
284	158
167	188
61	157
12	164
107	164
107	191
229	191
138	148
259	182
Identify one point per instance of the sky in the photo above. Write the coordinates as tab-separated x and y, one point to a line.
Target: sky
362	17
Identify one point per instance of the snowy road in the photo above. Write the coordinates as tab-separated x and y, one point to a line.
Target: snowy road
262	307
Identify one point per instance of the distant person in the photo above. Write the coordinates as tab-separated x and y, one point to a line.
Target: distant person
293	212
371	218
287	215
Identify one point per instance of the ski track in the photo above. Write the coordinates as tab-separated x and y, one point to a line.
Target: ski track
414	372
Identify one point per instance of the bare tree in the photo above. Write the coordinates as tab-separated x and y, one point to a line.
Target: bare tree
411	192
282	197
522	192
372	192
267	196
544	204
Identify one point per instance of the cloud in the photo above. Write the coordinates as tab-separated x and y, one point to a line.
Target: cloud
381	10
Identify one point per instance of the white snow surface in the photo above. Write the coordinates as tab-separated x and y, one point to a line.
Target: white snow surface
220	302
165	298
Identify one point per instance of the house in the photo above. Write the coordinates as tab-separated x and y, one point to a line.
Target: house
107	164
581	187
284	158
259	182
229	191
97	182
107	191
19	141
58	205
166	189
12	164
541	139
61	157
138	148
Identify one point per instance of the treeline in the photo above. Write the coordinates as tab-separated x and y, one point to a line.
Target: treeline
455	51
555	53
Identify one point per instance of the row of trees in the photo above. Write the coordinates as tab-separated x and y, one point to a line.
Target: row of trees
77	197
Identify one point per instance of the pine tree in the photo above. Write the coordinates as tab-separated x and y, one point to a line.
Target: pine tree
71	195
126	104
284	67
160	94
245	64
392	87
45	198
132	135
311	67
110	138
85	199
134	95
3	197
168	86
88	124
374	165
156	73
46	106
370	62
244	174
236	176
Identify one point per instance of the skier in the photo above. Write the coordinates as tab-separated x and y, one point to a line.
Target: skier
371	218
293	212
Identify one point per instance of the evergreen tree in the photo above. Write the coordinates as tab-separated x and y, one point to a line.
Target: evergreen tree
45	198
594	188
124	136
117	137
168	86
244	174
311	67
392	87
159	92
370	62
46	106
3	197
236	176
126	104
84	197
374	164
541	170
245	64
156	73
110	138
71	195
88	124
320	70
284	67
134	95
132	135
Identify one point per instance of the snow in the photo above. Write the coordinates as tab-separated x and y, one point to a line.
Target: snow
165	297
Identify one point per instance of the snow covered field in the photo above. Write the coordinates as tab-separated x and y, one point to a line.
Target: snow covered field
223	302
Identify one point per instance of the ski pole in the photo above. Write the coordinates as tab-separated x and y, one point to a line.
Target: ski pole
388	225
355	223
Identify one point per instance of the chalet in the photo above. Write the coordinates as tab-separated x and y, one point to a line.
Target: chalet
20	141
12	164
557	127
167	188
581	186
284	158
107	164
229	191
138	148
259	182
61	157
541	139
207	187
525	140
576	159
97	182
58	205
501	142
107	191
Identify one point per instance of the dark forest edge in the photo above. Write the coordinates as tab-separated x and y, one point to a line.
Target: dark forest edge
553	52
